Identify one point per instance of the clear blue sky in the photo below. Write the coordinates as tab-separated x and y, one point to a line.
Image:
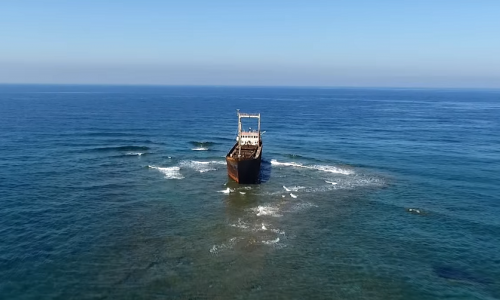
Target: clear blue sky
420	43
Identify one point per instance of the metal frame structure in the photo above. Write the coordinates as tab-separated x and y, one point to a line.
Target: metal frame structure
250	116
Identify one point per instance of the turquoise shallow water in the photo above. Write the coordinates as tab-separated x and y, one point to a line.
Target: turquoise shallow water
111	192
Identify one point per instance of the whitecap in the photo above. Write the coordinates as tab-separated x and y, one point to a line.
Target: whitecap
323	168
266	211
200	149
278	231
226	191
332	169
270	242
414	210
286	189
224	246
290	164
170	172
333	183
296	188
243	193
240	224
134	153
200	166
293	196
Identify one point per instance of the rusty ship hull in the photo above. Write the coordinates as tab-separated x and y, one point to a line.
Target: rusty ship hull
243	160
246	168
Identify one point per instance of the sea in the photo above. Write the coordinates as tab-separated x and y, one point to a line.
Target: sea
121	192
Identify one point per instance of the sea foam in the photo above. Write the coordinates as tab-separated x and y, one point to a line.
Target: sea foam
201	166
270	242
323	168
224	246
226	191
266	211
134	153
170	172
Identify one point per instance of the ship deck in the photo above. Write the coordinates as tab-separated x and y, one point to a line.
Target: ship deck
247	151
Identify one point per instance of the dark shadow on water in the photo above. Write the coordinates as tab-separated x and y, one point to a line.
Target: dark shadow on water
265	171
453	273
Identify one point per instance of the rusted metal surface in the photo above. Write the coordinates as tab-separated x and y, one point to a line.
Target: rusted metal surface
244	158
244	170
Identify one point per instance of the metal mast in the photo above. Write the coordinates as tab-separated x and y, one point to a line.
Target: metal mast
239	133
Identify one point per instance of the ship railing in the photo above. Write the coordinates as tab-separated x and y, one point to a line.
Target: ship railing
244	115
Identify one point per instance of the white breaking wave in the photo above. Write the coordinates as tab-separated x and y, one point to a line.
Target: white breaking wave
170	172
295	188
278	231
240	224
266	211
286	189
134	153
292	164
226	191
200	149
324	168
414	210
224	246
200	166
271	241
347	183
293	196
332	169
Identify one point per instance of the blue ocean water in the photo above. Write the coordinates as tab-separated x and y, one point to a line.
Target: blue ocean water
110	192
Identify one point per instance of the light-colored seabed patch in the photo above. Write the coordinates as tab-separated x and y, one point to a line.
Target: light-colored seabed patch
261	224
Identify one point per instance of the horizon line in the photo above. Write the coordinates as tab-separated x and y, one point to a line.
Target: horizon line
249	86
